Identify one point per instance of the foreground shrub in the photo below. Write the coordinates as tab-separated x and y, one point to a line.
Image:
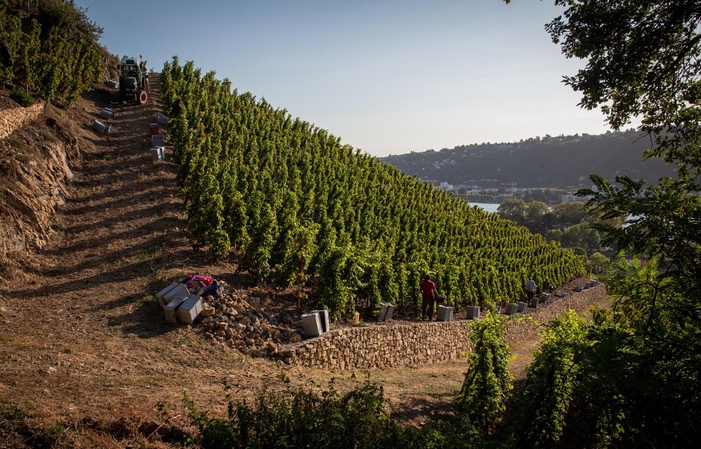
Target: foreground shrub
307	419
482	400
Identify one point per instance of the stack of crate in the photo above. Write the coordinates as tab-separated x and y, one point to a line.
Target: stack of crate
178	304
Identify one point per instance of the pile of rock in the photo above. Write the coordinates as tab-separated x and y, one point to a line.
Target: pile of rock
236	320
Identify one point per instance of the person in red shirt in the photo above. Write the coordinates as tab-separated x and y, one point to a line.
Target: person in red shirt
428	295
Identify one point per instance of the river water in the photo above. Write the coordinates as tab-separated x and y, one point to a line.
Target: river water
489	207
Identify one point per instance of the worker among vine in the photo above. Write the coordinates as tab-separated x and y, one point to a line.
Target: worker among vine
429	294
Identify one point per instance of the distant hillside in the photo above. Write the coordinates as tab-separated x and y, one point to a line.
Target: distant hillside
559	162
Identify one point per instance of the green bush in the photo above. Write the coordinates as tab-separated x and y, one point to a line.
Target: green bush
308	419
22	98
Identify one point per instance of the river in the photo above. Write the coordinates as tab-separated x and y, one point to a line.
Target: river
489	207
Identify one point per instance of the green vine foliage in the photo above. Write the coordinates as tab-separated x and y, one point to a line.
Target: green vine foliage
49	49
481	402
551	382
307	418
290	203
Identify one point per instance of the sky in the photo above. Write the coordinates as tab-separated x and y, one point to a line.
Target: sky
388	77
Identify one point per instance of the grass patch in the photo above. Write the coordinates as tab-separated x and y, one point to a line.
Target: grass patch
21	97
18	144
50	137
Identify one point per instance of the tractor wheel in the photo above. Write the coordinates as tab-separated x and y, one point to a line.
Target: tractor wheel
142	97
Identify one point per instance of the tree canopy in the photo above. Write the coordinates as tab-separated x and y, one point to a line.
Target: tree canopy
642	62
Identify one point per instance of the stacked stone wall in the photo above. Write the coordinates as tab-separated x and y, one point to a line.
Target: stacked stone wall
15	116
387	345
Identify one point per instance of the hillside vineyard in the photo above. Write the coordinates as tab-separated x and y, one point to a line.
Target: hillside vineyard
294	206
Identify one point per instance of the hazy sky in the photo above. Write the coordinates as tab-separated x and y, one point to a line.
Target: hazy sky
388	77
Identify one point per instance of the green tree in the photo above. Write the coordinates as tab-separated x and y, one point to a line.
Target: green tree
643	59
569	214
514	210
537	210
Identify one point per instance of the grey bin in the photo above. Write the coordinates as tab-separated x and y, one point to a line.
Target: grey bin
445	313
107	113
545	298
189	309
594	283
158	154
511	309
472	312
170	309
161	119
386	312
522	307
324	319
174	290
587	285
534	302
560	294
311	324
158	140
578	289
113	84
102	128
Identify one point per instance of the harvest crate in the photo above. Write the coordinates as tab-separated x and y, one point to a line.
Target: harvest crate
174	290
387	311
445	313
472	312
189	309
324	319
171	308
311	324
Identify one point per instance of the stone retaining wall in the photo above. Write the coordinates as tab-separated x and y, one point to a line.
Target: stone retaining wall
409	345
16	116
518	330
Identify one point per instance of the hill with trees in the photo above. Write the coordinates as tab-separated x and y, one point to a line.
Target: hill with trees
544	162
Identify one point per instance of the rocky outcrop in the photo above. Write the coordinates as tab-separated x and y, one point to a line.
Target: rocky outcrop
34	175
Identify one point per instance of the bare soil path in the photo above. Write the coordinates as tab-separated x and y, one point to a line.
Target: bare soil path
82	340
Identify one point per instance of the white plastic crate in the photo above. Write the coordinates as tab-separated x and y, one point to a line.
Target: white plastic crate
162	119
311	324
101	127
445	313
189	309
158	140
174	290
158	154
387	311
324	319
107	113
171	308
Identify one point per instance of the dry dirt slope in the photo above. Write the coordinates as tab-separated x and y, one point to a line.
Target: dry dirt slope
81	340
